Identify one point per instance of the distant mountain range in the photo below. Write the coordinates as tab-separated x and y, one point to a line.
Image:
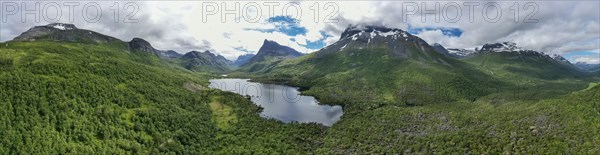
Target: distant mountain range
194	60
205	61
243	59
512	48
400	43
366	55
588	67
452	52
369	63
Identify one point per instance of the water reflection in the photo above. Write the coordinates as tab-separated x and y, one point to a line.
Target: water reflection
281	102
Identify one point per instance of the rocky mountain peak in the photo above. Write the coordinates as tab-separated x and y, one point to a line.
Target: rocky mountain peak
272	48
400	43
63	32
356	32
141	45
62	26
206	60
501	47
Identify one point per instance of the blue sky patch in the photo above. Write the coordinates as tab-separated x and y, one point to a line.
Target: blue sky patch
243	50
284	24
318	44
448	31
572	56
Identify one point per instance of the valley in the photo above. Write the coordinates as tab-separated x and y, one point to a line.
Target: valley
376	90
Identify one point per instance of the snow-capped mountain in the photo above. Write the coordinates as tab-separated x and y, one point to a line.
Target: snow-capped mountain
452	52
359	36
512	47
460	52
501	47
400	43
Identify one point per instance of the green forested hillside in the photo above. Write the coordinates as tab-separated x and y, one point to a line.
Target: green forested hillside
428	103
102	98
373	77
60	97
568	125
506	114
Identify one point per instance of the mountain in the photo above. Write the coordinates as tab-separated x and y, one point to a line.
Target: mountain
63	32
440	49
587	67
243	59
452	52
139	44
460	53
169	54
383	65
205	61
269	54
400	43
510	61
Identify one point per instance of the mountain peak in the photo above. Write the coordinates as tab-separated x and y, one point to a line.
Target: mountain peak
141	45
560	58
356	30
62	26
502	47
270	43
273	49
205	61
63	32
360	37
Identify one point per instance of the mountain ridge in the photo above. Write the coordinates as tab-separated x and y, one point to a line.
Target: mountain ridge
205	61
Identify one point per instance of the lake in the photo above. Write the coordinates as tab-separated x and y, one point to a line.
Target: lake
281	102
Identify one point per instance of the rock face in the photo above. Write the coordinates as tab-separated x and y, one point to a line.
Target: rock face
63	32
243	59
168	54
271	49
441	49
501	47
205	61
138	44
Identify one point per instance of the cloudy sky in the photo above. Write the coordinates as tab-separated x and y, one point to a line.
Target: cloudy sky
568	28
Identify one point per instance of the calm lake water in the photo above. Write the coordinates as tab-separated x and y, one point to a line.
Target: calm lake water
281	102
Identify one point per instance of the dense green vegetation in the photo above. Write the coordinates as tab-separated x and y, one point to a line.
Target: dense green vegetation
488	104
60	97
74	98
568	125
